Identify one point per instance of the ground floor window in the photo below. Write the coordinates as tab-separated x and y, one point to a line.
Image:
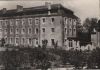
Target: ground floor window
52	42
70	44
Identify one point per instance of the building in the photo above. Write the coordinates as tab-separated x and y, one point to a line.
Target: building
98	33
0	31
31	26
95	35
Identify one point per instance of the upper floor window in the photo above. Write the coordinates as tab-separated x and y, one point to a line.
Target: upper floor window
11	40
74	30
52	29
17	22
11	30
23	21
43	29
23	40
23	31
29	30
17	40
43	20
65	30
11	22
30	21
5	31
70	30
65	20
1	23
17	31
37	30
65	40
36	41
6	22
29	40
36	21
52	20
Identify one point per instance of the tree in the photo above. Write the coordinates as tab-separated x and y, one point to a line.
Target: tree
94	59
90	24
77	58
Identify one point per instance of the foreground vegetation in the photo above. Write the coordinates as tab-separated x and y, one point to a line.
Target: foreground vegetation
43	58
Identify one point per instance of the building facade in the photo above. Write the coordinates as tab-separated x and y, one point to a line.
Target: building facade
31	26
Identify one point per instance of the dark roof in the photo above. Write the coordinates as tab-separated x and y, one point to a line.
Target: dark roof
36	10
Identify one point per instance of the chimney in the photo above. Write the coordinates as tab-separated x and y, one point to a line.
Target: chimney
4	10
19	8
48	5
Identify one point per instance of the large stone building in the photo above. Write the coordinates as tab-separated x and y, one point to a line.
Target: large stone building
31	26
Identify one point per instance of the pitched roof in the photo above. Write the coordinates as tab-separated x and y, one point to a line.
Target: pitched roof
35	10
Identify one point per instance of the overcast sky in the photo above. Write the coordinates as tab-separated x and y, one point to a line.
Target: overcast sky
81	8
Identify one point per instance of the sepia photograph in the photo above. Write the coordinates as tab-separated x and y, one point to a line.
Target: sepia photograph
50	35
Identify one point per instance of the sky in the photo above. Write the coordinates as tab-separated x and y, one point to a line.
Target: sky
81	8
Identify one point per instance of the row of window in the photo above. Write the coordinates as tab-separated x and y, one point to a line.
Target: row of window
23	31
37	30
52	29
23	41
70	43
70	30
29	30
70	21
29	41
23	21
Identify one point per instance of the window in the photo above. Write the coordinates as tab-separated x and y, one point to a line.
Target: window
30	31
36	21
5	31
11	30
70	43
43	20
11	22
52	29
17	40
74	30
43	29
17	30
17	22
66	20
52	41
36	41
70	30
1	23
30	21
23	40
65	30
11	40
6	40
23	31
6	22
52	19
29	40
36	30
65	40
23	21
